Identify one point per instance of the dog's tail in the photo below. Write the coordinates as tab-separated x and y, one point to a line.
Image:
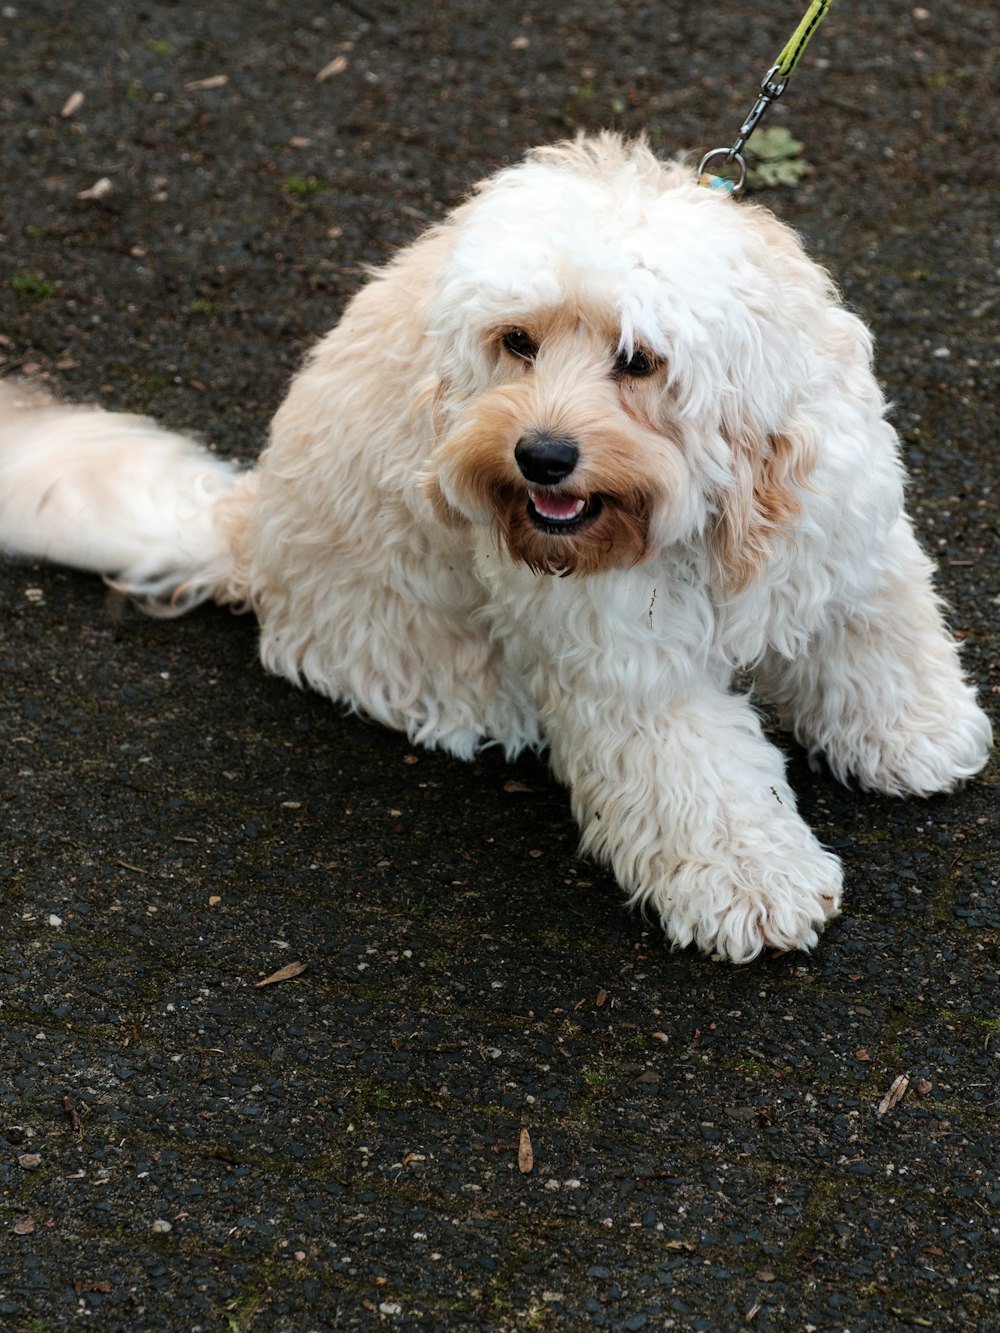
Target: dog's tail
158	515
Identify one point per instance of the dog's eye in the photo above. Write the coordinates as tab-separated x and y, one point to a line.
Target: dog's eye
520	344
637	366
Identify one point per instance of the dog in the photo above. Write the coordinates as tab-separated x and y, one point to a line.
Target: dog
593	444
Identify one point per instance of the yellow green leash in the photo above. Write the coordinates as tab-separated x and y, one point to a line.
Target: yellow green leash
773	85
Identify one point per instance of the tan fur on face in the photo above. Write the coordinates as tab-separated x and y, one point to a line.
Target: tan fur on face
569	391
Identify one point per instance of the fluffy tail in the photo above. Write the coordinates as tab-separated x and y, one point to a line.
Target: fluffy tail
159	516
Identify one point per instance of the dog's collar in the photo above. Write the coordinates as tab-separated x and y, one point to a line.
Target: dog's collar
722	182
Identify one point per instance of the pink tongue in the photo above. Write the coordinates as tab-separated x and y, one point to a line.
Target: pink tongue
556	506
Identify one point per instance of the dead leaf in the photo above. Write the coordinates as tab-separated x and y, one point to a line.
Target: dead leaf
525	1154
24	1227
512	785
72	104
204	85
98	190
75	1119
283	974
895	1095
602	995
336	66
861	1054
80	1287
774	143
789	171
773	158
924	1086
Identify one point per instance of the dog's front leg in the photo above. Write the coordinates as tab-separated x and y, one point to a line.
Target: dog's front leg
690	807
880	691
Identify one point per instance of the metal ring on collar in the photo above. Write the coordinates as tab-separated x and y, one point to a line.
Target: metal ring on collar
726	157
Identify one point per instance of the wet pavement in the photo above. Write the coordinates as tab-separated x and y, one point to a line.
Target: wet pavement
182	1148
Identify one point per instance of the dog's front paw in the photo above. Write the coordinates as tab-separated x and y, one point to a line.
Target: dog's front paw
923	753
769	888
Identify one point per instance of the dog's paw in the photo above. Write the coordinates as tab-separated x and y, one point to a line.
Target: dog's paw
758	892
923	756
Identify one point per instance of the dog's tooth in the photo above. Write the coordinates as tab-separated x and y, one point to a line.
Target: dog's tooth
557	508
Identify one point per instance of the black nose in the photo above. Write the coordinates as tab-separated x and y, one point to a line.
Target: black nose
546	459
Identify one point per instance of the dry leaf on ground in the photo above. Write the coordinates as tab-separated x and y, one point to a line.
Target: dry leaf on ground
283	974
203	85
336	66
895	1095
525	1154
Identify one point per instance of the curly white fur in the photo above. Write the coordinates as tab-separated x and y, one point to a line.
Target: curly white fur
730	495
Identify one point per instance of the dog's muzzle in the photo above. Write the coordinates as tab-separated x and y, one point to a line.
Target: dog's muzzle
545	461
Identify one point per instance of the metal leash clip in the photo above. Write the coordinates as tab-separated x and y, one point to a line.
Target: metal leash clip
771	89
772	86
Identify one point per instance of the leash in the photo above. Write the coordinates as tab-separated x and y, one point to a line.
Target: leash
774	83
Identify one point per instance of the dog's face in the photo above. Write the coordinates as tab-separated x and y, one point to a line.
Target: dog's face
619	356
565	451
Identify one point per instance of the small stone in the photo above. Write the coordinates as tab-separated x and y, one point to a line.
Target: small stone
29	1160
161	1226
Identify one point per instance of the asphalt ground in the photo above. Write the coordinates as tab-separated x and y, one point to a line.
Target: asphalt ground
183	1149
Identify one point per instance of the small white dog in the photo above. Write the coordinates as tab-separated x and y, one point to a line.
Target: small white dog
576	455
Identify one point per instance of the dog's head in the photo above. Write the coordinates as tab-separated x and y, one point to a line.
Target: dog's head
623	362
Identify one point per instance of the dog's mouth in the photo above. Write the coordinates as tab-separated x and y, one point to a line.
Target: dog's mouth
557	512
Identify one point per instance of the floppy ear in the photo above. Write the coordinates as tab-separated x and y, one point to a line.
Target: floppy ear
430	403
443	511
761	505
773	447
